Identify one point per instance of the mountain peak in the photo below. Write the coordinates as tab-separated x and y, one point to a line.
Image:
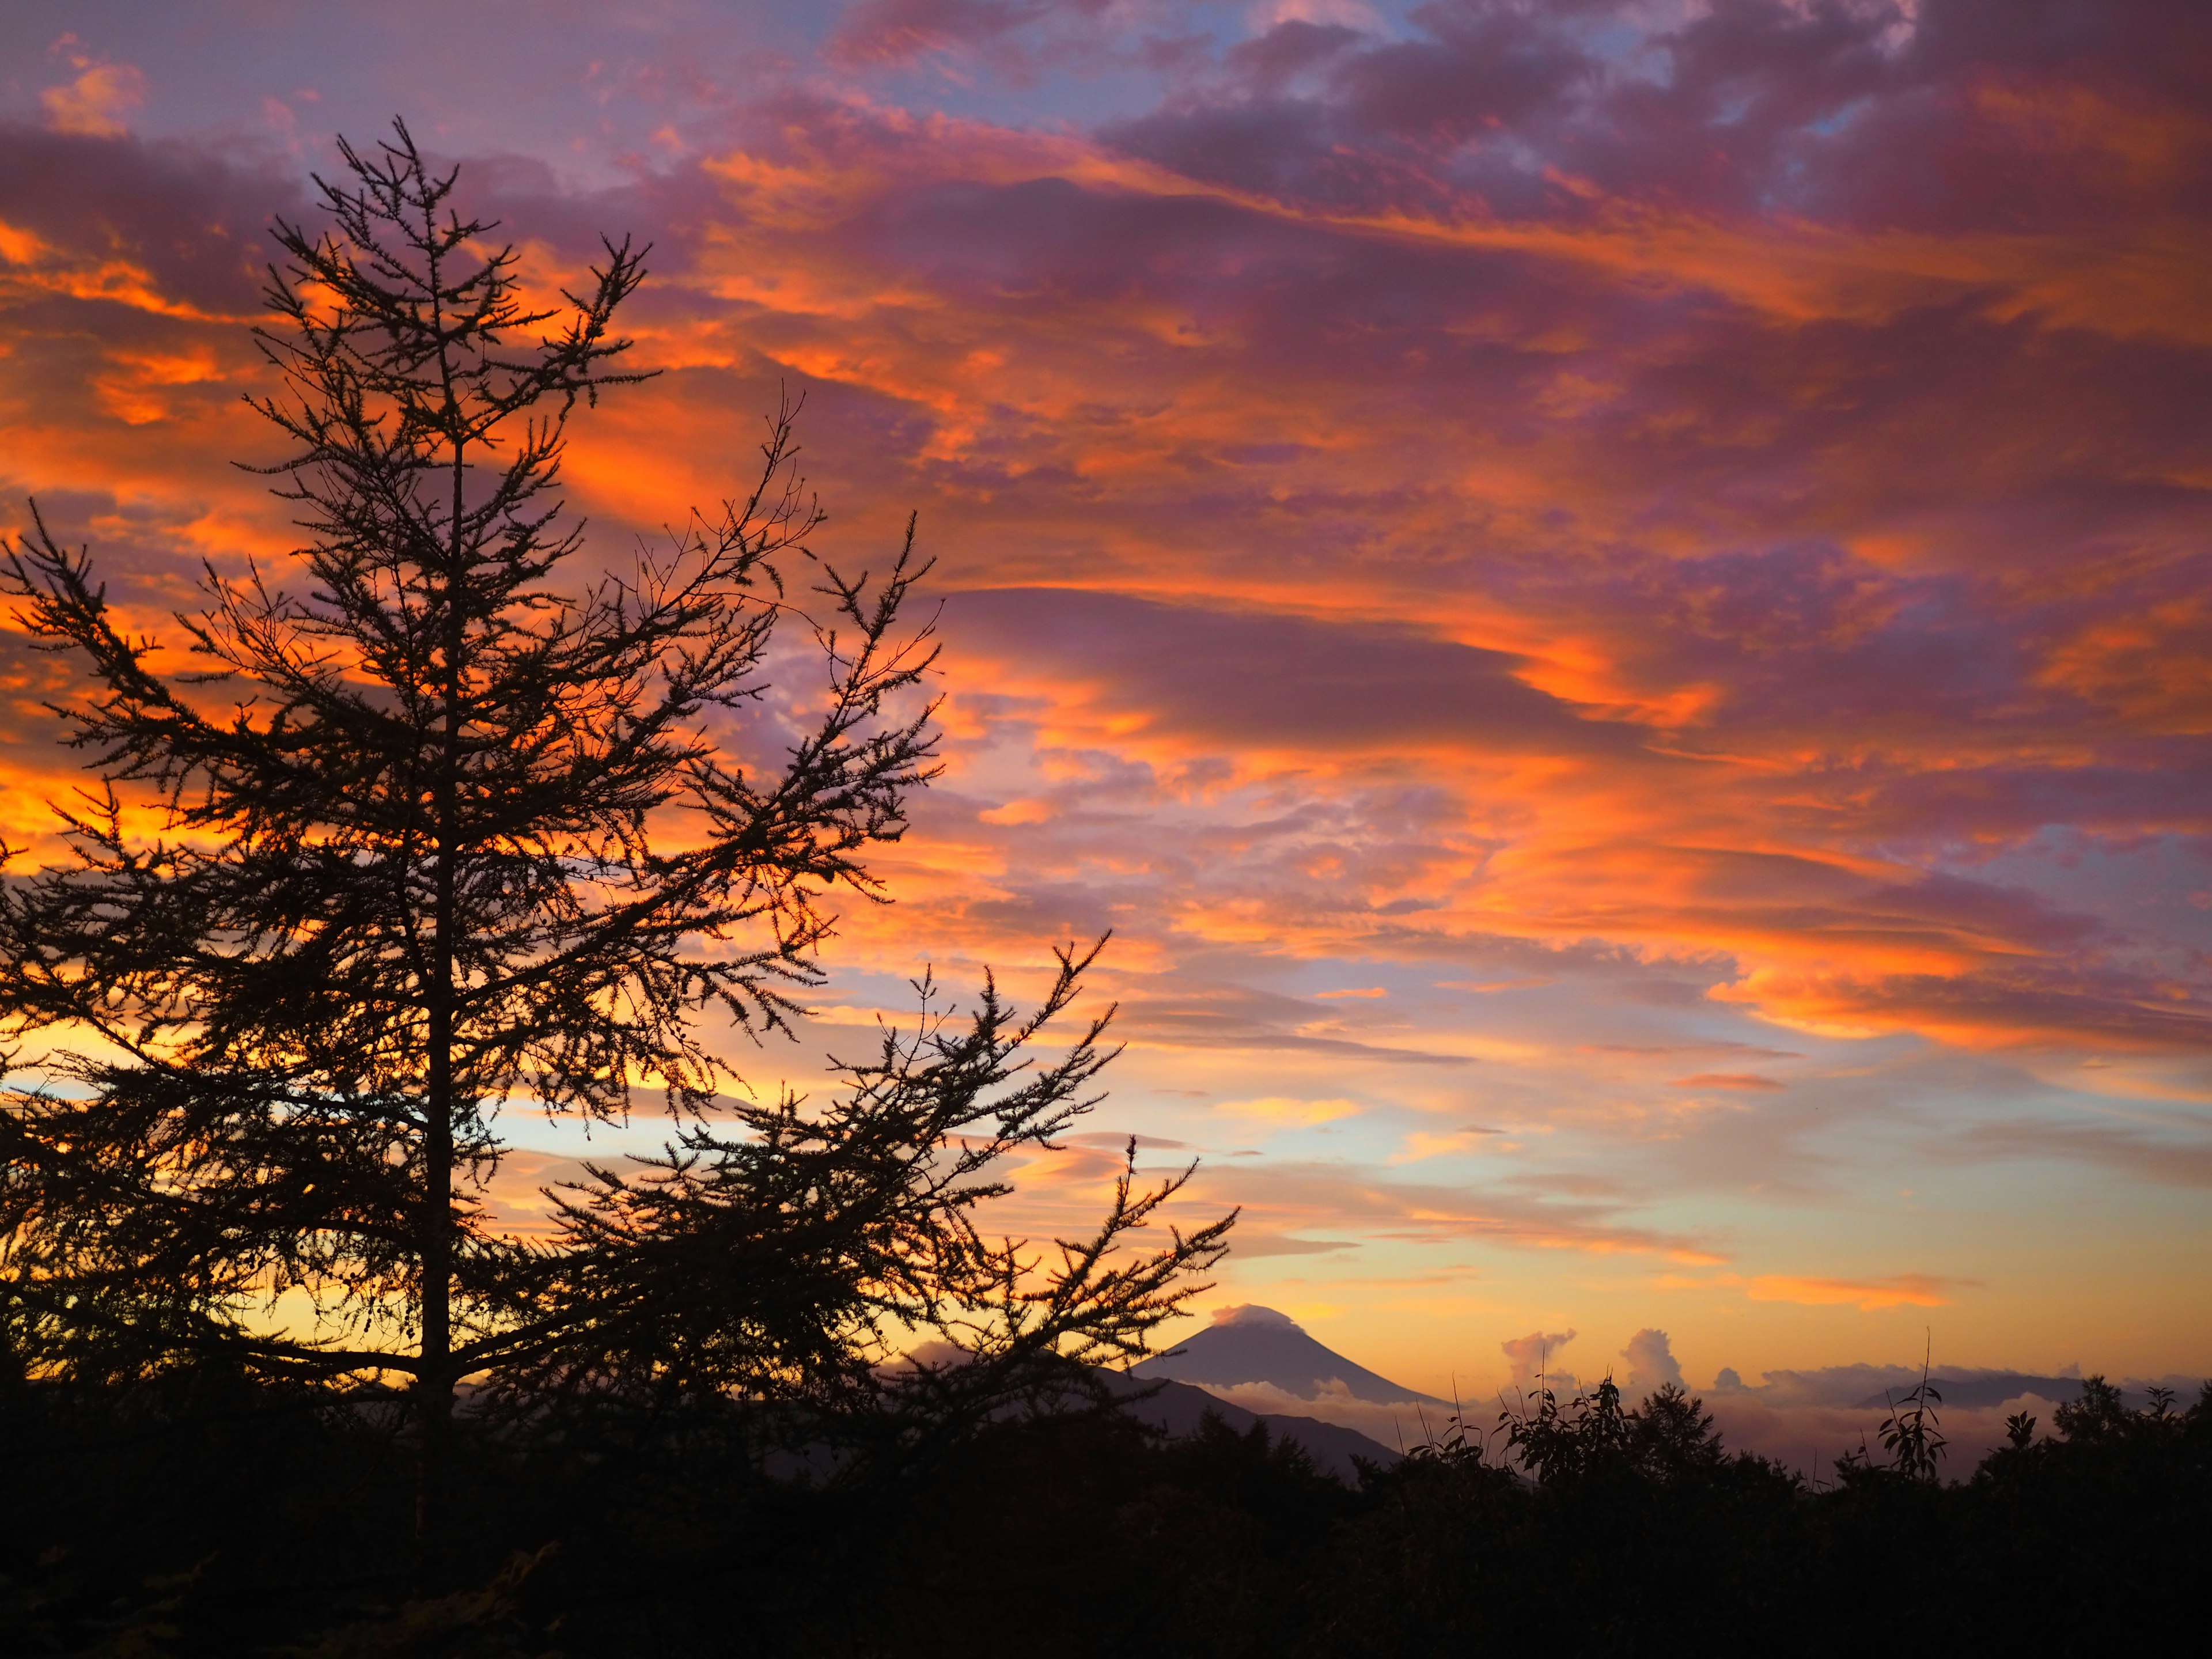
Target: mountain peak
1255	1345
1251	1313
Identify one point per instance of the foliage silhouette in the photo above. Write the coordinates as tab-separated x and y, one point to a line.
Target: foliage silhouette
239	1515
441	828
1912	1434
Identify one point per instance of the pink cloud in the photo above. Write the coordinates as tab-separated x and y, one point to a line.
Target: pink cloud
1651	1362
898	31
1534	1358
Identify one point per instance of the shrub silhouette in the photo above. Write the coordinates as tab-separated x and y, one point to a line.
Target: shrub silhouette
238	1517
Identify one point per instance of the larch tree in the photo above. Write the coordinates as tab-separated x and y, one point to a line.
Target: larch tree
437	826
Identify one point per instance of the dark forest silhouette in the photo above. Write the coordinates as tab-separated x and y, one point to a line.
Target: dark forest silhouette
208	1515
443	828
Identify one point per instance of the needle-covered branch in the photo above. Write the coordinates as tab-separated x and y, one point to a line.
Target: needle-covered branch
431	819
787	1252
442	816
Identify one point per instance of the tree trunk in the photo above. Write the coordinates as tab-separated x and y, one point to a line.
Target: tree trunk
434	1382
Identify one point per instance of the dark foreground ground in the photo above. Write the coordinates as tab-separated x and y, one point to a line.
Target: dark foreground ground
210	1518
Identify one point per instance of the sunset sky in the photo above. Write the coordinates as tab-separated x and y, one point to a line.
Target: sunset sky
1613	601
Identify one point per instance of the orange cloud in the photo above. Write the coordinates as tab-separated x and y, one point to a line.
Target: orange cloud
95	103
1277	1109
1902	1291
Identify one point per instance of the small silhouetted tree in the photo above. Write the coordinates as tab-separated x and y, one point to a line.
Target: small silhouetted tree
1912	1434
433	826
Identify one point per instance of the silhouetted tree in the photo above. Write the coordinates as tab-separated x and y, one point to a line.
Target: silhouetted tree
431	830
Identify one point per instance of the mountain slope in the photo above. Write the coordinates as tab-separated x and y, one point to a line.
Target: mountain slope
1178	1408
1258	1344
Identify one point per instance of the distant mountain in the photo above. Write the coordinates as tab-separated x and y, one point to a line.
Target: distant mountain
1177	1409
1258	1344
